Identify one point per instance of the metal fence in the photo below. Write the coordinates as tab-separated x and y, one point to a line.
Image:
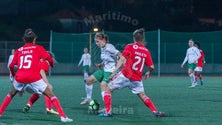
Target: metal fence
167	48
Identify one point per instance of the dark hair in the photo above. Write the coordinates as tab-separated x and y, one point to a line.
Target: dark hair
197	44
139	35
29	36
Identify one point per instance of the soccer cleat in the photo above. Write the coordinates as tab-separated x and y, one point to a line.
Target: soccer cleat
193	86
66	119
51	111
26	108
159	114
104	115
85	101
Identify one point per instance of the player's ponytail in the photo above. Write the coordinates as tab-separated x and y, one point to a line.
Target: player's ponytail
106	38
138	35
29	36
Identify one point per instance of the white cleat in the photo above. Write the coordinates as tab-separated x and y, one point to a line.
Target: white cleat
85	101
66	119
193	86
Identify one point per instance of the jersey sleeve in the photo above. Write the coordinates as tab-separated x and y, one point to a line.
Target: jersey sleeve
13	63
90	60
186	58
81	60
112	50
126	51
197	51
149	60
45	55
202	54
9	60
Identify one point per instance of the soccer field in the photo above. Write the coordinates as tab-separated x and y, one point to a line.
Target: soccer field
182	105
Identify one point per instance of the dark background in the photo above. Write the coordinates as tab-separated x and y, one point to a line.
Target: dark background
68	16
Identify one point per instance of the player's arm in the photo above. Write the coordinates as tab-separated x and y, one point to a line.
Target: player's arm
197	51
90	60
45	56
204	61
13	63
44	77
147	74
81	60
119	64
185	60
100	65
149	63
9	61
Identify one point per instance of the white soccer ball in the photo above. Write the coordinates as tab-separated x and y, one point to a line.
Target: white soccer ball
93	107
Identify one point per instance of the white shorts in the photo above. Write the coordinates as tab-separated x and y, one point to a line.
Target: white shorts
37	87
120	82
198	69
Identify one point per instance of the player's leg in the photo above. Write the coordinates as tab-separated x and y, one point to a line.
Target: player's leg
85	72
148	102
107	98
119	82
198	71
201	78
191	68
56	103
41	87
96	76
88	85
48	105
137	88
6	101
33	98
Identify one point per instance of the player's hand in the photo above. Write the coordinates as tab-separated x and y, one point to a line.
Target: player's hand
147	75
181	65
112	75
99	66
195	62
11	79
50	86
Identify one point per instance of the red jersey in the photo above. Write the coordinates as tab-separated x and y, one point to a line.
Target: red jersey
136	56
27	59
201	59
44	65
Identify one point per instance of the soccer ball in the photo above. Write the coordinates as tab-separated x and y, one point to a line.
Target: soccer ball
93	107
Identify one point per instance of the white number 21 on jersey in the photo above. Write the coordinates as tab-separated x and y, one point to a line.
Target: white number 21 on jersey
25	61
139	60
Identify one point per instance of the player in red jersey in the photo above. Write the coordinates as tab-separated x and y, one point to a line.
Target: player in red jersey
44	68
200	64
27	59
135	56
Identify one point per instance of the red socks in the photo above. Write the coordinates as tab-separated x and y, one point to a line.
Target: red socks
48	103
147	101
33	98
57	106
108	102
200	77
5	103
